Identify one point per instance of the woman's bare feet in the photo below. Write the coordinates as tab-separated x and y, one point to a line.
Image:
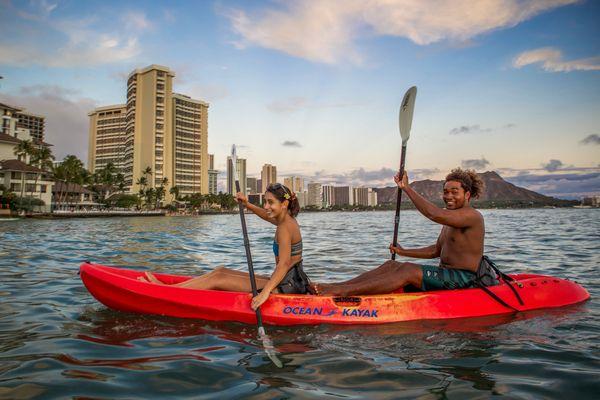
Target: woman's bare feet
151	278
142	278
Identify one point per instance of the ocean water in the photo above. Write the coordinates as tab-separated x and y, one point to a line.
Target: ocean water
57	341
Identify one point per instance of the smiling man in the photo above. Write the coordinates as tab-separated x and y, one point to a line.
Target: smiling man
459	245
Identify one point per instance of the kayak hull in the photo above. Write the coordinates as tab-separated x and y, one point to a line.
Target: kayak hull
119	289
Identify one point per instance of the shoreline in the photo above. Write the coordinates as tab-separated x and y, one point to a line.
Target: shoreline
164	213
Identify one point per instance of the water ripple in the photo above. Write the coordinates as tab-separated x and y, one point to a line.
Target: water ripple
56	341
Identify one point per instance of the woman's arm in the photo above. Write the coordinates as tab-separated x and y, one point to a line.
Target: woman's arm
261	212
284	240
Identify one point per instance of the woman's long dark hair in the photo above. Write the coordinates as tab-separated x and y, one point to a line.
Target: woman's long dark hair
283	193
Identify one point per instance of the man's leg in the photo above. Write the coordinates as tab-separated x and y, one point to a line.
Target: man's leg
388	277
384	269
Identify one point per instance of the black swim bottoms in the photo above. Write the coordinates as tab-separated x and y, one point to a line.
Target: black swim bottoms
295	281
440	278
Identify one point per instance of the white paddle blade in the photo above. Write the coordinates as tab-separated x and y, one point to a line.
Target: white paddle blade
406	113
269	348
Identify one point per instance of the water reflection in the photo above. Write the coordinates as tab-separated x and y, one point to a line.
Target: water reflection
54	336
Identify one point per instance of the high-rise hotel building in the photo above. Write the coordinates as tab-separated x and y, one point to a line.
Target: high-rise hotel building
190	120
241	175
162	132
107	128
212	175
268	175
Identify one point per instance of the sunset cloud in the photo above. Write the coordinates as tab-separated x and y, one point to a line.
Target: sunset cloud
551	60
81	42
326	31
476	164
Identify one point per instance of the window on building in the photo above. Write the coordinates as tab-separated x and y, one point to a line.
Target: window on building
15	175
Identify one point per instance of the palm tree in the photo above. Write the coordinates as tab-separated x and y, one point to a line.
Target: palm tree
41	158
150	195
23	150
71	170
104	180
159	192
174	191
120	182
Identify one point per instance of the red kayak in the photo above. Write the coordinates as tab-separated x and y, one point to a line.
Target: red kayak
119	289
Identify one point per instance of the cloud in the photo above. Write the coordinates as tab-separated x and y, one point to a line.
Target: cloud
591	139
169	16
553	165
357	178
567	186
209	92
475	163
293	104
136	20
424	173
291	143
35	10
65	110
466	129
477	129
288	105
326	31
86	41
551	60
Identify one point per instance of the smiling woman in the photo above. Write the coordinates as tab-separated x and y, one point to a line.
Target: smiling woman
280	208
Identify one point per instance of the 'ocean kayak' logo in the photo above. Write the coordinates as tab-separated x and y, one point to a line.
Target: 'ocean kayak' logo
346	312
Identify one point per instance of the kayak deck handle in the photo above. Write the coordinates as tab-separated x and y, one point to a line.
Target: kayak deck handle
346	301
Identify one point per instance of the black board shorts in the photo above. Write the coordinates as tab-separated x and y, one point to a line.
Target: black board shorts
440	278
295	281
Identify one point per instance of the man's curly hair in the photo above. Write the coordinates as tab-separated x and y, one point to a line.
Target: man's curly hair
469	180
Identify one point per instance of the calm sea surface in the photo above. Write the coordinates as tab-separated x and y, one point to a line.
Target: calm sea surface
57	341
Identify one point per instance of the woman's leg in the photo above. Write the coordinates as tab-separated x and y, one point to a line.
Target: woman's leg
149	277
224	279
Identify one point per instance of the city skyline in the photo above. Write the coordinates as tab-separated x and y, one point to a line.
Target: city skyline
506	86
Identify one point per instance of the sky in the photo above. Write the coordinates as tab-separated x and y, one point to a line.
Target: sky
314	87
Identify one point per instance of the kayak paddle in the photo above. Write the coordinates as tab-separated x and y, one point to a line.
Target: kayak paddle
267	343
405	122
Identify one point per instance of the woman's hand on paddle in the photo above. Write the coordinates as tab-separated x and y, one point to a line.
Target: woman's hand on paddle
402	182
239	196
259	299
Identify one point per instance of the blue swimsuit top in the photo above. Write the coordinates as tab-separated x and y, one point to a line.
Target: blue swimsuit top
296	248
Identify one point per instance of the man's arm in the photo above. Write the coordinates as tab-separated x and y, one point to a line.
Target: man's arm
432	251
461	218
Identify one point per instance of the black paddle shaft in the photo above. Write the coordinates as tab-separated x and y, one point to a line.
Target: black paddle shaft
399	200
248	255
